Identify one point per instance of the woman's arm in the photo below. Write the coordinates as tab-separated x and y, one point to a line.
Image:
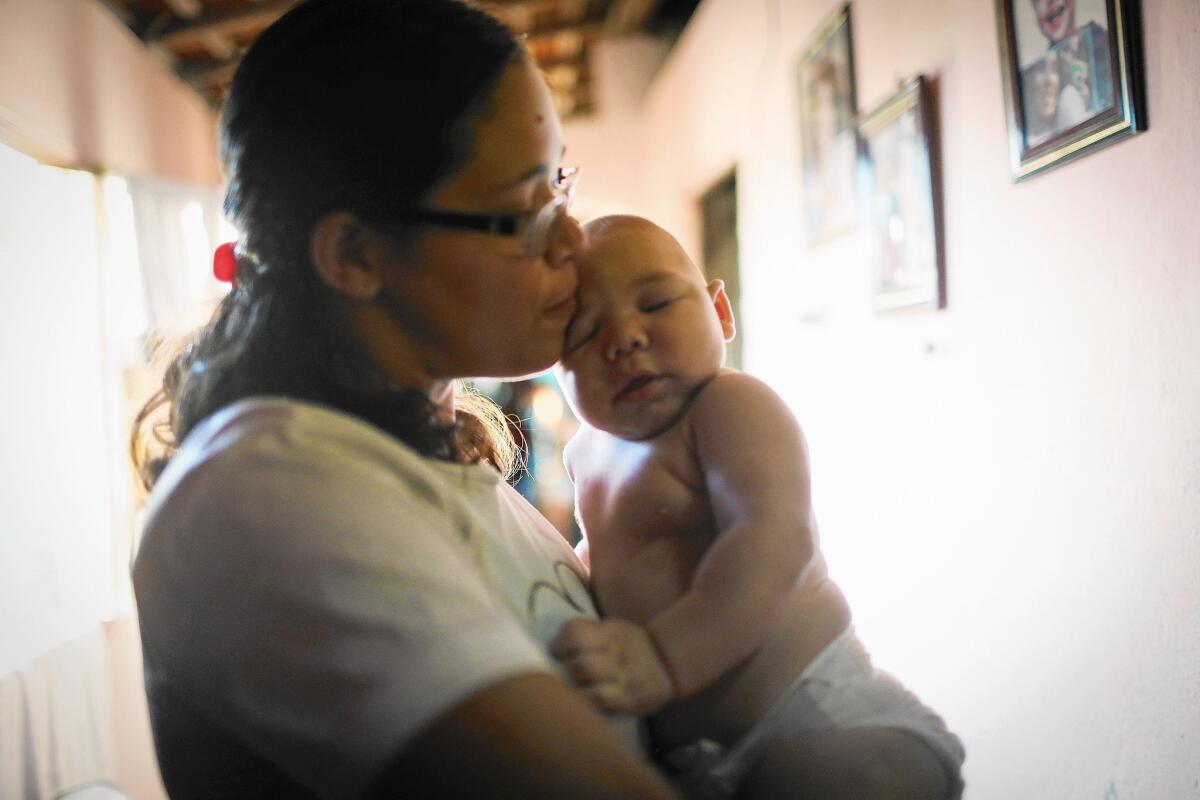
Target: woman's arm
529	736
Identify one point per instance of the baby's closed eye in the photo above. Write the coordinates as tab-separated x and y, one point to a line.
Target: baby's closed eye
657	301
579	334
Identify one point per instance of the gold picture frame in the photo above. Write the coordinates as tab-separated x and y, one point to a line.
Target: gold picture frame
1072	78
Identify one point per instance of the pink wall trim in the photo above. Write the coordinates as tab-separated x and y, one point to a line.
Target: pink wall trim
78	89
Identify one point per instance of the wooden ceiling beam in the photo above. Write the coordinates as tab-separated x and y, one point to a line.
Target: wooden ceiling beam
194	33
627	16
217	77
534	5
187	9
122	12
218	70
520	15
198	70
220	46
586	7
587	30
579	59
205	73
199	31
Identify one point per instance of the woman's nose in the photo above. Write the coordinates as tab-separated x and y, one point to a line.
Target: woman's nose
566	238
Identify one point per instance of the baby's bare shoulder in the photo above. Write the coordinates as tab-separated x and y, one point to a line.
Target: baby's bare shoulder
588	452
732	396
575	451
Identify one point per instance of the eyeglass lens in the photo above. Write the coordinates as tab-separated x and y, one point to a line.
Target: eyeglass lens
538	234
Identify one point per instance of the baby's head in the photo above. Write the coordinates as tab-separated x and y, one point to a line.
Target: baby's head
649	332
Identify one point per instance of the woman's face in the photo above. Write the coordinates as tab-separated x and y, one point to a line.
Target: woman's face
471	304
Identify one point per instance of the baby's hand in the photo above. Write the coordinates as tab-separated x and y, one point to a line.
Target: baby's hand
615	664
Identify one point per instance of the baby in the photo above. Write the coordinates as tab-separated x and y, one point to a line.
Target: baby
692	489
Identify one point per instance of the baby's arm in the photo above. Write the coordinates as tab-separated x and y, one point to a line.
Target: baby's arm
755	466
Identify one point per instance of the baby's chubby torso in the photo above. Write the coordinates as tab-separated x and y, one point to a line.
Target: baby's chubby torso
642	505
648	519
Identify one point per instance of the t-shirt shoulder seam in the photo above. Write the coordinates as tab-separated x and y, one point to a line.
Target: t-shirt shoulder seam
323	425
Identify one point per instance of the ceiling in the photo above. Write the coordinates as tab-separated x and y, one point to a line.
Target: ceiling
203	40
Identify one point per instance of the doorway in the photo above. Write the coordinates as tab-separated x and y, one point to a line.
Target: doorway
718	209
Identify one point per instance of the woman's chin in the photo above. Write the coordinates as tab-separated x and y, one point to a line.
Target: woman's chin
529	374
526	368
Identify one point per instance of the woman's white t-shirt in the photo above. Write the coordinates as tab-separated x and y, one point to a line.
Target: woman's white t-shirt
312	592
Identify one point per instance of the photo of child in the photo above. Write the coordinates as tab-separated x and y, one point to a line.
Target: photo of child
829	143
1066	68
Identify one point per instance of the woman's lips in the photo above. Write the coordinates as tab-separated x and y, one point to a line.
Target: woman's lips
563	308
641	388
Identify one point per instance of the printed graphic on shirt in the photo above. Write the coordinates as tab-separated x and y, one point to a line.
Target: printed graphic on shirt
550	603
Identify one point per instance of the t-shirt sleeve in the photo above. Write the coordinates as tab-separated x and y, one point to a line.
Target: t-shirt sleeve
320	607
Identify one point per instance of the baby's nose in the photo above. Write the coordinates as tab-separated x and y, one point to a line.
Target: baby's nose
626	339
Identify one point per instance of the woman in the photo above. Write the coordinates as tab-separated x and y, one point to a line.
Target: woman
339	595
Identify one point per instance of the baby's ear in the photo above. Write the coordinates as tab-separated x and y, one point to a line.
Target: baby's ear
716	290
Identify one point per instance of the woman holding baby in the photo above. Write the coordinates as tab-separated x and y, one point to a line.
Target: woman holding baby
338	592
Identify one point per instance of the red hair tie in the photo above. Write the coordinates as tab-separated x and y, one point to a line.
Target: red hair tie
225	263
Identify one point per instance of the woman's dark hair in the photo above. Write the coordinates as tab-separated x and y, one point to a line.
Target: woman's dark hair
360	106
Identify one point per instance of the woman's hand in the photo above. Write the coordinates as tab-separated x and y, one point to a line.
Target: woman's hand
615	663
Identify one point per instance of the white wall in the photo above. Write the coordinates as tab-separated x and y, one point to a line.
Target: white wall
78	89
1009	489
607	148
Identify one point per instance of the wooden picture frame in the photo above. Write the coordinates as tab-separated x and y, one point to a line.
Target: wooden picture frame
829	143
1072	78
901	151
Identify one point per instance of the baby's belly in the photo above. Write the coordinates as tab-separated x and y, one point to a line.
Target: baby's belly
644	578
729	708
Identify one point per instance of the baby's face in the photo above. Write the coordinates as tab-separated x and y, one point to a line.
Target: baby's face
649	333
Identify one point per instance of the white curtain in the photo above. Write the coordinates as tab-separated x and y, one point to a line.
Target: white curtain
178	227
90	267
56	725
56	546
56	576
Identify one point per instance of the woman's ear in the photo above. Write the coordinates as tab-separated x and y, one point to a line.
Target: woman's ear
341	258
716	290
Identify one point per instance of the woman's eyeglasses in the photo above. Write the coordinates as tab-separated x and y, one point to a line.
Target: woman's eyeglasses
533	227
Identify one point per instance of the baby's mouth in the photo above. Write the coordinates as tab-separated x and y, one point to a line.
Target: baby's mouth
638	389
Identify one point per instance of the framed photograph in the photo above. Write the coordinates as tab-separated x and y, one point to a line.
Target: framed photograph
1072	78
829	142
905	201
